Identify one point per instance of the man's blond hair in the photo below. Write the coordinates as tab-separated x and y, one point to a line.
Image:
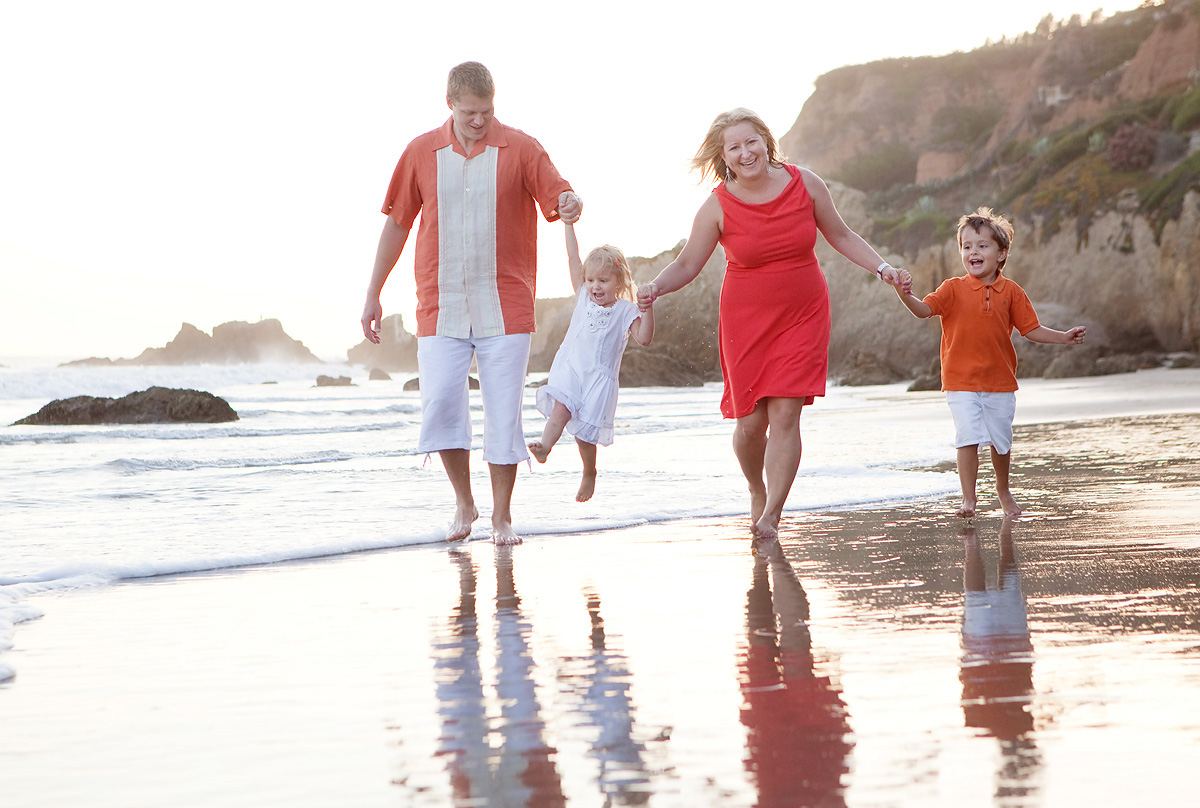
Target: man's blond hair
470	77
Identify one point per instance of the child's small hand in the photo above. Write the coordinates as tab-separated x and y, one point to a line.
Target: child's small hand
1075	335
646	295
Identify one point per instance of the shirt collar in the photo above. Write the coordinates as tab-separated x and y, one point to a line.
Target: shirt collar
445	137
975	284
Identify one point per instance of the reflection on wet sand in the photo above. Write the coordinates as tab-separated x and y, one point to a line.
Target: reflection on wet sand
599	693
521	771
797	739
996	668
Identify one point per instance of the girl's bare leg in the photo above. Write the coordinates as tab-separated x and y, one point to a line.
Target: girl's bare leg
968	474
555	424
781	460
750	447
1001	464
587	486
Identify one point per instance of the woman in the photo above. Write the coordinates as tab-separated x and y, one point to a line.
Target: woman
774	316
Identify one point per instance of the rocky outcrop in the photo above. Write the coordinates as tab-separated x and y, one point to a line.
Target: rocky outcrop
396	351
333	381
231	343
156	405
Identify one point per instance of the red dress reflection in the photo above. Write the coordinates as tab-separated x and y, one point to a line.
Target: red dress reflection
797	736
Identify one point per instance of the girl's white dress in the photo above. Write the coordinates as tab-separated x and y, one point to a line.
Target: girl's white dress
585	370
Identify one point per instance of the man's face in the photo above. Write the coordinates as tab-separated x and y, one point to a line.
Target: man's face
472	116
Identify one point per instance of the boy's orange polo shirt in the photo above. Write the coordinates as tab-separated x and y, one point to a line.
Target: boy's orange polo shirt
977	323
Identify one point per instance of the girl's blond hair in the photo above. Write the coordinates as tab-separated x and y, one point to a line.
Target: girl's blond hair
710	157
609	256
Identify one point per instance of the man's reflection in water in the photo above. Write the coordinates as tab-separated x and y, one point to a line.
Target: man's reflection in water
797	731
997	662
601	687
521	770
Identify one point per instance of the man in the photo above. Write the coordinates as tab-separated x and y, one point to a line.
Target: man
475	182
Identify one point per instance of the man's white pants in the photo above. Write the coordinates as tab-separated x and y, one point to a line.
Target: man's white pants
443	364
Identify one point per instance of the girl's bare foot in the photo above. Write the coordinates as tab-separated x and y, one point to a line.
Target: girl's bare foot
587	487
967	510
460	528
538	451
1011	509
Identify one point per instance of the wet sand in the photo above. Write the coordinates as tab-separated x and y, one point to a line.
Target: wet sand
884	657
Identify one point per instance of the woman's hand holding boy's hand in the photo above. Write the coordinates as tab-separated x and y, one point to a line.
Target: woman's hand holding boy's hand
646	295
898	278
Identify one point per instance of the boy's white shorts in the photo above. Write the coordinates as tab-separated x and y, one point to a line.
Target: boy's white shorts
443	364
983	418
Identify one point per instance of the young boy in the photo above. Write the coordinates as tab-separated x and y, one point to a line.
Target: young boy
979	366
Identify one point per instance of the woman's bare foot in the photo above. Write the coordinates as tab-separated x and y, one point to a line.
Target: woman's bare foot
758	503
503	533
587	487
538	451
1011	509
460	528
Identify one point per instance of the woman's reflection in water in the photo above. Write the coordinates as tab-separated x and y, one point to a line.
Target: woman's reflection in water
997	662
520	770
599	685
797	731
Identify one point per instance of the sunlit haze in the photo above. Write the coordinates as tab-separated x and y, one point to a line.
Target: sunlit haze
168	163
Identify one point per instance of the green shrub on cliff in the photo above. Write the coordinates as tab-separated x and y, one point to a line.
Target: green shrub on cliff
1162	200
892	164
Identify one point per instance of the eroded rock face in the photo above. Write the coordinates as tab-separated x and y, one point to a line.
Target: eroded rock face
234	342
156	405
396	351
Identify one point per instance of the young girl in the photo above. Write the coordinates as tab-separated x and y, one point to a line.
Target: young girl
581	393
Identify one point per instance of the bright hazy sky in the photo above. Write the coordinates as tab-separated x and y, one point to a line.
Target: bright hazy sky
167	162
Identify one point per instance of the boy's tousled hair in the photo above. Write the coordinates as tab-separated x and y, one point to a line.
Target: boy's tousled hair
985	218
607	255
470	77
710	157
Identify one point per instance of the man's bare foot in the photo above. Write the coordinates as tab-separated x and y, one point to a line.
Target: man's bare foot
503	533
538	451
587	487
460	528
1011	509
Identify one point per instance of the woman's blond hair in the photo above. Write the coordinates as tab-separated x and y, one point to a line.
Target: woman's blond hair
605	256
710	157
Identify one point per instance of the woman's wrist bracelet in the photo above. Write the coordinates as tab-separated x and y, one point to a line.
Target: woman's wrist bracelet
879	269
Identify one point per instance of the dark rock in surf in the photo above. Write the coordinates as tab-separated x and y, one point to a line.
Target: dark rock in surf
156	405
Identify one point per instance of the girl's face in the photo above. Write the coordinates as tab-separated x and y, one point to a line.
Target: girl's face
603	284
745	151
981	253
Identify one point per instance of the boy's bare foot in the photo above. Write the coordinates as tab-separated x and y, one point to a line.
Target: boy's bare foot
765	528
587	487
1011	509
460	528
503	533
539	451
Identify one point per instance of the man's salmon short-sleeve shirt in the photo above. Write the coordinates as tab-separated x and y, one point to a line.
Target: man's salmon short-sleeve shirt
977	323
476	250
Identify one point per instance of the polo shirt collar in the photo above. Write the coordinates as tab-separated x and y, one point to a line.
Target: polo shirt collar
975	284
445	137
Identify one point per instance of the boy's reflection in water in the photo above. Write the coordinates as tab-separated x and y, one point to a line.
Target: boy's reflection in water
599	686
797	731
997	662
521	770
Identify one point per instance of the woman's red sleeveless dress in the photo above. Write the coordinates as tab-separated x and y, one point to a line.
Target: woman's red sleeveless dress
774	317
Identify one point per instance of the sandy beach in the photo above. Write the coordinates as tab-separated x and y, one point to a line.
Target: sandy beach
893	656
